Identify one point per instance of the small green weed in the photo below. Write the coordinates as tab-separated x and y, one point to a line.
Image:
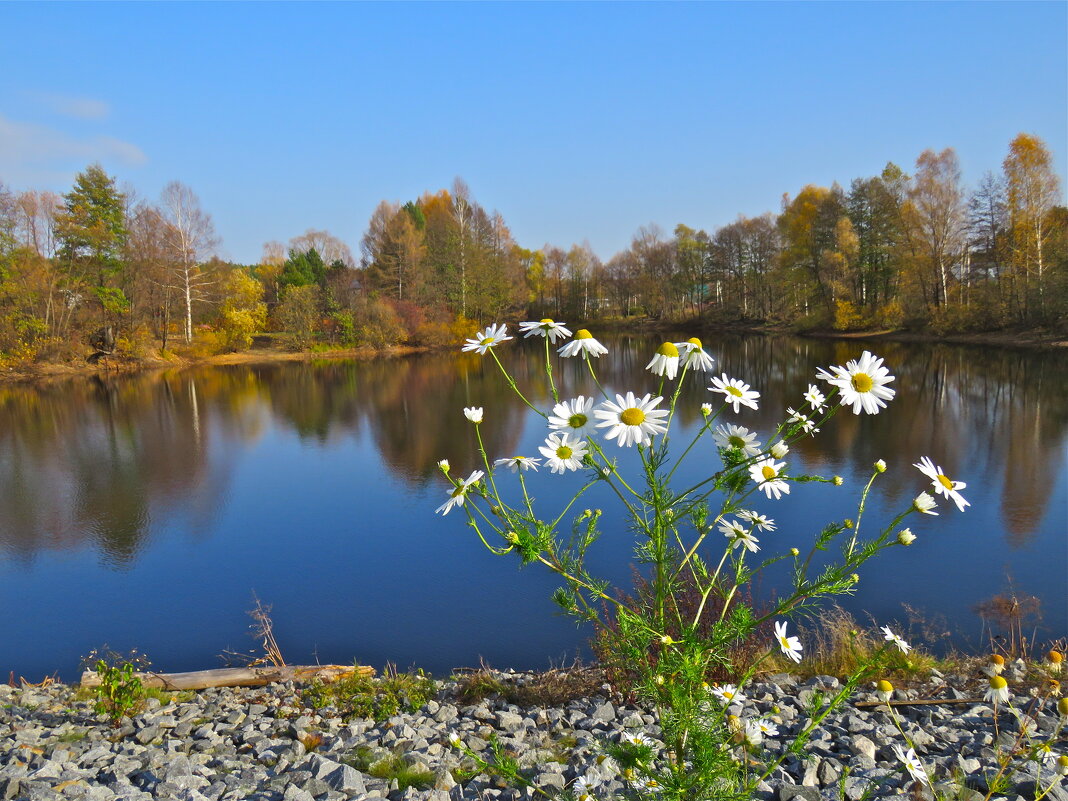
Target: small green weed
390	768
120	693
377	699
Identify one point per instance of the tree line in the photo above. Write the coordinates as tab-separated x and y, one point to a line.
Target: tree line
100	270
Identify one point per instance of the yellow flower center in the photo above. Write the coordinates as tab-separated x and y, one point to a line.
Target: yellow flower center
487	341
632	417
1062	706
945	482
564	452
728	694
862	382
547	321
884	686
694	341
785	643
1055	656
668	349
577	420
736	441
768	472
997	659
735	391
582	333
456	493
998	683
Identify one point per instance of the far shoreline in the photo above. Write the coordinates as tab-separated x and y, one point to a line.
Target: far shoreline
48	372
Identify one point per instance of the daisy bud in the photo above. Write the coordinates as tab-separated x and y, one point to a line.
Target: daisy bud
511	537
659	680
794	552
855	579
848	522
473	413
880	466
779	449
1062	765
838	481
884	690
454	739
667	640
1062	707
706	409
906	537
443	466
924	503
1054	660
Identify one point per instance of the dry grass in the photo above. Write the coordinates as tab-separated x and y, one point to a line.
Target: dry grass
554	687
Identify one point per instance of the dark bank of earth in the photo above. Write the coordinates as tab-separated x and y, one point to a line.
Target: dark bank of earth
253	744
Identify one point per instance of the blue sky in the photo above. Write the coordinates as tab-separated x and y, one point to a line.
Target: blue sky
575	121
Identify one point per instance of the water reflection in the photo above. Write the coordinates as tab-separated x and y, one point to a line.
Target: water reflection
98	461
313	485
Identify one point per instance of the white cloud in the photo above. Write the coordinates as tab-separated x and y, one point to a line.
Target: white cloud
82	108
31	154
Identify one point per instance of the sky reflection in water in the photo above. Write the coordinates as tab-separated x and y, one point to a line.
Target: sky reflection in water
146	511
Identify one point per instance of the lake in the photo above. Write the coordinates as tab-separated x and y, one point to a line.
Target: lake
148	511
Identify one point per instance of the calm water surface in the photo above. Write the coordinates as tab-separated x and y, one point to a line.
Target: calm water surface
147	511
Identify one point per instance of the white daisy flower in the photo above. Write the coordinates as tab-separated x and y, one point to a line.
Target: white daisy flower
760	521
575	416
693	355
727	694
454	739
484	340
706	409
666	361
861	383
732	437
517	463
924	503
791	646
634	738
912	764
736	392
1062	765
797	418
563	453
473	413
582	788
734	531
631	421
889	636
767	728
999	690
752	733
779	449
815	398
766	473
906	537
941	483
545	328
880	466
585	344
459	493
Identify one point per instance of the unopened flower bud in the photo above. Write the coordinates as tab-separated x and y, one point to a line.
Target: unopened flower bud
855	579
443	466
1054	660
880	466
794	552
706	409
924	503
848	522
1062	707
884	690
996	663
1062	765
906	537
837	480
779	449
659	679
511	537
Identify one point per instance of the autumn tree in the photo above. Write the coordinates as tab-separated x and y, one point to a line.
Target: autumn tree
191	239
1032	191
243	311
934	222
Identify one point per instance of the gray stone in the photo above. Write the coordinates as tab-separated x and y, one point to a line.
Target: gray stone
787	792
346	780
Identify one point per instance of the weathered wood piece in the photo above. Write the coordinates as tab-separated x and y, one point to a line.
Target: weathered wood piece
922	702
240	677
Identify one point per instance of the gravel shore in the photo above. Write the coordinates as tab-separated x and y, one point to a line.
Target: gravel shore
253	743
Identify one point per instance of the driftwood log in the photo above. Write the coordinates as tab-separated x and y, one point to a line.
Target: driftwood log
240	677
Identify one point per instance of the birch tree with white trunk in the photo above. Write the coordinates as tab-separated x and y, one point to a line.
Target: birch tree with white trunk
191	240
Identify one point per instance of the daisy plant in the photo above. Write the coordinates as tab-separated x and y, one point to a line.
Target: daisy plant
692	613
